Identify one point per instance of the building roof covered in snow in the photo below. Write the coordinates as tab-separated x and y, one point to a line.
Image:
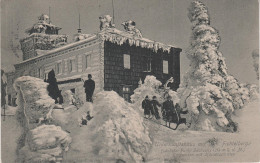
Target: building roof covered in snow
108	32
44	25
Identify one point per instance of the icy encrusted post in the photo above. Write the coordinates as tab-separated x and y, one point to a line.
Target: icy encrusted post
255	56
38	142
207	90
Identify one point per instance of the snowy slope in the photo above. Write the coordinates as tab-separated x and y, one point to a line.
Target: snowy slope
168	143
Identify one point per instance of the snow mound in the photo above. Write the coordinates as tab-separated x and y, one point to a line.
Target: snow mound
116	131
34	94
46	143
38	142
48	136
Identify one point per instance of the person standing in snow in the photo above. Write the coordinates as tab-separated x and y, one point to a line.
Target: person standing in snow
155	104
146	105
53	88
89	88
167	110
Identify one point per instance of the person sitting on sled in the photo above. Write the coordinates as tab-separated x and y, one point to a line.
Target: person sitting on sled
155	104
176	116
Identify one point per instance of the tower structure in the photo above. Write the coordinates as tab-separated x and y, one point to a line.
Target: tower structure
42	36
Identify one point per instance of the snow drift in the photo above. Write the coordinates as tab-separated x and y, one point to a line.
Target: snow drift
38	142
115	133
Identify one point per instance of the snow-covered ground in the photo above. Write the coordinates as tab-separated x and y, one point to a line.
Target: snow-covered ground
10	132
9	110
200	146
117	132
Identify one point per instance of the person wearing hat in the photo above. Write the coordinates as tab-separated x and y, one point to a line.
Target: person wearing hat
89	88
167	110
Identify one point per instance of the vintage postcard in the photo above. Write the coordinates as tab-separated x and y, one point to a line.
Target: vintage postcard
122	81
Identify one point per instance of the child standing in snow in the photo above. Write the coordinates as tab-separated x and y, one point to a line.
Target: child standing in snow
146	105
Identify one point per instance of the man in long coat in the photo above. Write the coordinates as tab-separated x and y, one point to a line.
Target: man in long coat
155	104
89	88
167	110
146	105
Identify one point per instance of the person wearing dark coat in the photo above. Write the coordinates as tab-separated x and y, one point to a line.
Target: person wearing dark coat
176	116
53	88
146	105
167	110
89	88
155	104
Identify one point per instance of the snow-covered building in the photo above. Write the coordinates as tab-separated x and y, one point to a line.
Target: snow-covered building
42	36
116	59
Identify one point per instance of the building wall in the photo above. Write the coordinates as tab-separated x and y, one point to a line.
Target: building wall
69	74
116	76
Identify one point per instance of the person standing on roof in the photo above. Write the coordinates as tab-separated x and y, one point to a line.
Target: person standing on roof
89	88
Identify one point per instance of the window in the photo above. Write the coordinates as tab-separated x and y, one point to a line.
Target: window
71	65
39	72
147	64
58	68
165	67
126	61
88	61
126	92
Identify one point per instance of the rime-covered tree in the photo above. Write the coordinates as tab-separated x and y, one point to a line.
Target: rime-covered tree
207	90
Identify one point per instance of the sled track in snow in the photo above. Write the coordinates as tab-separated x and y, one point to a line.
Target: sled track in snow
158	123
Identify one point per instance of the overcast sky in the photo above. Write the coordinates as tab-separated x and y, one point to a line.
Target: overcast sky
161	20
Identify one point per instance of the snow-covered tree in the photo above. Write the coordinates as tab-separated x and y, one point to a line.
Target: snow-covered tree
207	90
255	56
152	87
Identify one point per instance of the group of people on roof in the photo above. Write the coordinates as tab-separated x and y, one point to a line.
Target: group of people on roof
170	113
